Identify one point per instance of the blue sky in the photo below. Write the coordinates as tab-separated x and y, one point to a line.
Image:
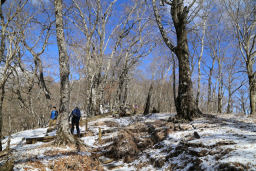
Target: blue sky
50	57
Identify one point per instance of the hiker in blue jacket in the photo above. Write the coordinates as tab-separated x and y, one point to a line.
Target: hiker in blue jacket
75	114
54	115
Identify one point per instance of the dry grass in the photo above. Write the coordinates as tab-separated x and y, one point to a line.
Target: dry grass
77	162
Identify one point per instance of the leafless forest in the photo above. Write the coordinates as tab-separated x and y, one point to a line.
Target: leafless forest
123	57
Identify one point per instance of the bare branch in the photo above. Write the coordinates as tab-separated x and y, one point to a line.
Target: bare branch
161	28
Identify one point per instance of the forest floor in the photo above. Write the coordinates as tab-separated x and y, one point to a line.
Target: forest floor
151	142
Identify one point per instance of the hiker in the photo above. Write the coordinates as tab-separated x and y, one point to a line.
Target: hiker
54	115
75	114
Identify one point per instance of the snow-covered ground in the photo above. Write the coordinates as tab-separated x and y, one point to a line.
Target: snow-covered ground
226	141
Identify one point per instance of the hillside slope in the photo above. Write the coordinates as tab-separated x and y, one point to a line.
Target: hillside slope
152	142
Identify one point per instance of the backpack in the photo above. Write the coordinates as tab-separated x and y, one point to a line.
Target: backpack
76	113
54	114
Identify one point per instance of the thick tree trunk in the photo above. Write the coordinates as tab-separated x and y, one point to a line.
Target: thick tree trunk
96	97
94	94
63	134
185	107
147	105
185	102
122	91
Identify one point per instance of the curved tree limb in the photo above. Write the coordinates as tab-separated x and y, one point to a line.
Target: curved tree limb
161	28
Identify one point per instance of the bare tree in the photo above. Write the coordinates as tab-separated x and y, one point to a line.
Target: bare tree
26	94
232	80
213	43
243	19
133	49
200	58
63	134
185	107
220	83
91	20
10	40
124	44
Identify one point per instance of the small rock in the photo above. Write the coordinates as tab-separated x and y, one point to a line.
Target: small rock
196	135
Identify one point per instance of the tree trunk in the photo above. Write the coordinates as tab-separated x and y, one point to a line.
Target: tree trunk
94	94
199	64
174	81
243	105
147	105
229	101
63	134
229	107
185	102
94	100
2	49
198	83
220	88
252	87
1	115
209	95
220	96
229	110
125	92
42	82
185	107
122	90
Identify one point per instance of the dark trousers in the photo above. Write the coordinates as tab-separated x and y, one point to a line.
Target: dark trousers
75	122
